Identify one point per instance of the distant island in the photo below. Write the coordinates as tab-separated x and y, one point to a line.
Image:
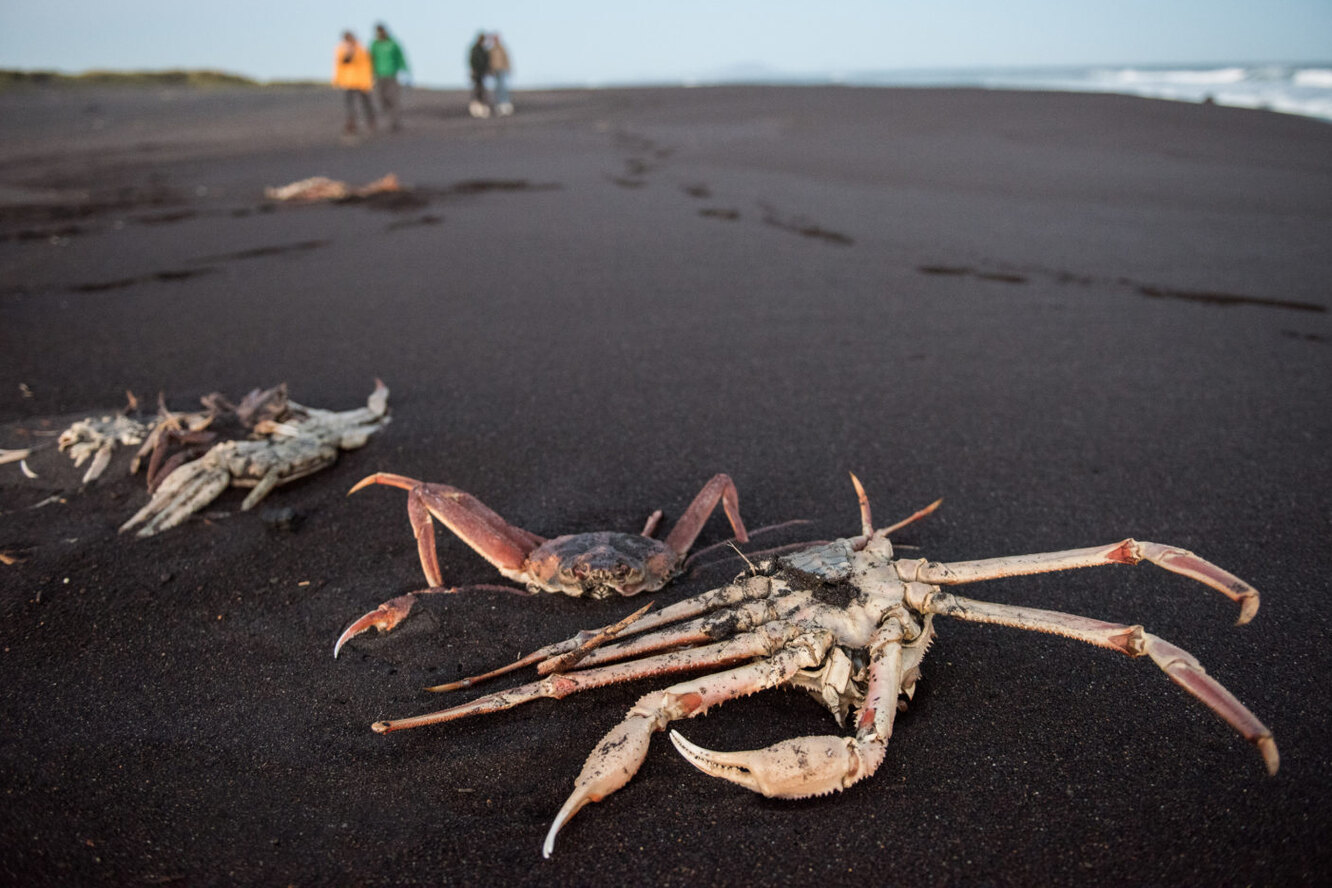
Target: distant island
174	77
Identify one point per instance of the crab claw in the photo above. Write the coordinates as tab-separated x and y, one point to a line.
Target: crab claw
383	618
792	769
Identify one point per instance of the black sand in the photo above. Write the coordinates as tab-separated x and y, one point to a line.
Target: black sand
1077	318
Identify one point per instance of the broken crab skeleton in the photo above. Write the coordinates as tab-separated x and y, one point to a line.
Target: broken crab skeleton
844	620
308	440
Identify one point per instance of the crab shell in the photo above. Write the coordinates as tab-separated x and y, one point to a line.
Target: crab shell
600	565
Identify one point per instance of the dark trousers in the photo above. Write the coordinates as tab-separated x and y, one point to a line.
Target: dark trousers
352	96
479	88
388	91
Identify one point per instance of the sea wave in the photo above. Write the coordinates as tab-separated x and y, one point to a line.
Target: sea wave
1303	89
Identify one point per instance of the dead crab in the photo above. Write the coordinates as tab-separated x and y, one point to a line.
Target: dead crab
597	564
845	621
306	440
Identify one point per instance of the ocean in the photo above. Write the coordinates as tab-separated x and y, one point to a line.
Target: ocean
1304	89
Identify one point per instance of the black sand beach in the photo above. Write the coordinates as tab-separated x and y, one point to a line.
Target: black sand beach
1075	317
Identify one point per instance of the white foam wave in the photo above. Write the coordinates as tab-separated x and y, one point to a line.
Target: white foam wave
1211	77
1316	77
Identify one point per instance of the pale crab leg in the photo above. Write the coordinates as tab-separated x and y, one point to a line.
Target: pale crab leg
720	488
732	621
747	589
742	647
810	766
187	489
620	753
1129	551
1175	662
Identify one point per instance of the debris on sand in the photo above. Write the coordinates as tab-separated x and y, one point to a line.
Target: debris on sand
319	188
9	456
97	438
192	457
288	441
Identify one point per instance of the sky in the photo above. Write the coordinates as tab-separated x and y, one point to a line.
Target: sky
601	42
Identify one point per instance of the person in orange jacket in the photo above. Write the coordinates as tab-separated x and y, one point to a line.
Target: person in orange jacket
354	75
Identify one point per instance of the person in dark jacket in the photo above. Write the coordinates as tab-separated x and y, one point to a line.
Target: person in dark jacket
478	60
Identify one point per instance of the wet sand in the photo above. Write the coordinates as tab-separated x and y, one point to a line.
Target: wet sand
1075	317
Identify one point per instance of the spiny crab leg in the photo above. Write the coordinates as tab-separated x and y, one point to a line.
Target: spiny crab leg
1175	662
748	589
620	753
1129	551
738	618
741	647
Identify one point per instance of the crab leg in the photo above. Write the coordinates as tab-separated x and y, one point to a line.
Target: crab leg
742	647
733	621
719	489
183	492
392	612
1175	662
748	589
620	753
1129	551
475	523
810	766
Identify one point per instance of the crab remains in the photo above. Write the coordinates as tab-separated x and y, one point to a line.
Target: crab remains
300	443
847	622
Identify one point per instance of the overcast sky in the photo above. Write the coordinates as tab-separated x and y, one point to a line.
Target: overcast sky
604	41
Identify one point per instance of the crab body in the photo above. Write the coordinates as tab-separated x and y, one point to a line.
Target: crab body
598	564
845	621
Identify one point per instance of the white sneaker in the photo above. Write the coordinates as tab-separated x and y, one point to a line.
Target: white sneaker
505	109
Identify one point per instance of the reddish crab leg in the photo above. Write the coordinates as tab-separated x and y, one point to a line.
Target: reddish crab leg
690	525
395	610
475	523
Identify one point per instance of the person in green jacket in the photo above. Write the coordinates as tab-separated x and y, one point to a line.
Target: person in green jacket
388	61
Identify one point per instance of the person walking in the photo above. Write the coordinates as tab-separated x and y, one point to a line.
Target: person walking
499	68
478	61
352	73
387	62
